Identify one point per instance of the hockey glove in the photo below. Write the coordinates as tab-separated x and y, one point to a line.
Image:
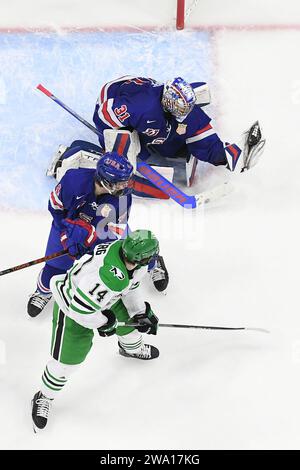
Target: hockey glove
109	328
78	236
147	322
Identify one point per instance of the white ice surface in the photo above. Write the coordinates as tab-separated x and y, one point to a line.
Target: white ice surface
236	263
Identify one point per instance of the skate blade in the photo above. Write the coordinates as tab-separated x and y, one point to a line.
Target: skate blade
33	425
212	195
160	292
36	430
261	330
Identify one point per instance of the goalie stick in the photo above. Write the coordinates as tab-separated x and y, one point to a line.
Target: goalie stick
199	327
183	199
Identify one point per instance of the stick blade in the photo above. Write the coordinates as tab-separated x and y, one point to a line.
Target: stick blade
261	330
214	193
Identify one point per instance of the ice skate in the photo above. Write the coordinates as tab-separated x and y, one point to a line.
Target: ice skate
146	353
160	275
37	302
41	406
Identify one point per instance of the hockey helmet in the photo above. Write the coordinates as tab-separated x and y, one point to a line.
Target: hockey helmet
140	247
113	172
178	98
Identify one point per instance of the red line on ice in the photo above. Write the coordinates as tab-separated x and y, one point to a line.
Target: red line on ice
153	28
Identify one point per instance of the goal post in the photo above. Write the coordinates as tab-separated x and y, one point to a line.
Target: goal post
180	14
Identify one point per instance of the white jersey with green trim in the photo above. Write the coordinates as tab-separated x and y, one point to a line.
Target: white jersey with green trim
95	283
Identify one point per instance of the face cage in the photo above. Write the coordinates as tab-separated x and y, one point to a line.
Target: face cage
115	189
177	107
143	262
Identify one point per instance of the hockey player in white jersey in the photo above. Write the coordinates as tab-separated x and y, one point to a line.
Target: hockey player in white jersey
100	289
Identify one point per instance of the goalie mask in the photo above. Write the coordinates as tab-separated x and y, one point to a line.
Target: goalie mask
113	172
178	98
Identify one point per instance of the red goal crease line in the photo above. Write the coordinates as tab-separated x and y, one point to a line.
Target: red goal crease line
154	29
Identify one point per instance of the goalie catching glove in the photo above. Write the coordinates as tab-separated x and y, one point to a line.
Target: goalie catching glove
77	237
246	154
147	322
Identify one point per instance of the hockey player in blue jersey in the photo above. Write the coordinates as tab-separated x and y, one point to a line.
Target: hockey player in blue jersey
88	206
82	154
170	120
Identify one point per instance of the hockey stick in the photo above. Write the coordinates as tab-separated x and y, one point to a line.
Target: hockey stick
199	327
32	263
183	199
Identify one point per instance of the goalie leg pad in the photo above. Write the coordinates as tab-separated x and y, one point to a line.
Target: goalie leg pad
80	159
123	142
51	170
80	154
190	169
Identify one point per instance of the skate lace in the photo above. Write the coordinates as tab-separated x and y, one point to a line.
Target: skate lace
145	351
43	407
40	300
158	274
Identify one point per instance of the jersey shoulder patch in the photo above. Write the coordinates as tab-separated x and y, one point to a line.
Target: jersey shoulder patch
113	272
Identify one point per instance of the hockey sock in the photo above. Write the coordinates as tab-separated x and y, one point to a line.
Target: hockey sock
132	342
55	377
43	282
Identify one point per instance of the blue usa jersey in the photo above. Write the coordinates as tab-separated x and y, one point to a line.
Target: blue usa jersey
74	197
135	103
